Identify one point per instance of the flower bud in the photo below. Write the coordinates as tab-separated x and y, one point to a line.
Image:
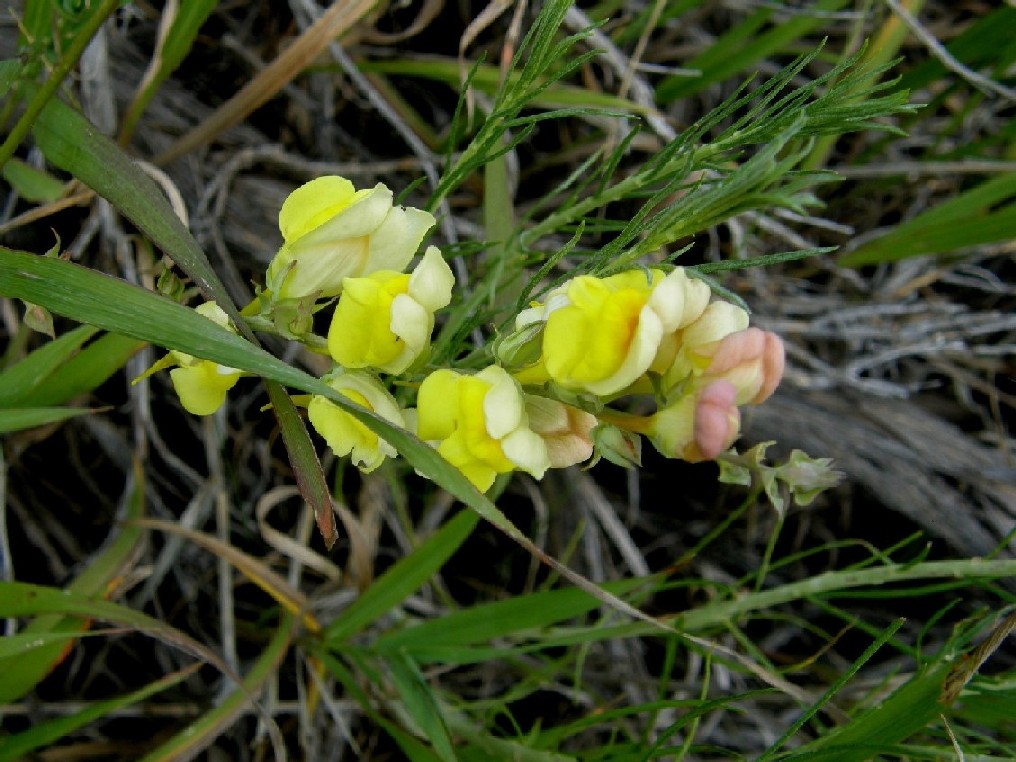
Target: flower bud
619	446
752	360
684	354
698	426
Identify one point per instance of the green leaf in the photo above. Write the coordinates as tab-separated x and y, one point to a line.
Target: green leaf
306	466
20	599
199	734
60	370
72	143
401	580
17	746
419	703
30	183
9	70
80	35
975	217
18	419
908	710
487	78
488	622
18	381
742	47
24	673
171	50
85	371
842	680
23	643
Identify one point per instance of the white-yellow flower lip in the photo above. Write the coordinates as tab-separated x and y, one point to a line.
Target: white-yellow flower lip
384	320
432	281
200	384
331	232
344	434
506	421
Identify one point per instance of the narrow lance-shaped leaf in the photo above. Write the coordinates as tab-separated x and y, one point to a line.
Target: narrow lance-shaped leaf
81	294
17	746
71	142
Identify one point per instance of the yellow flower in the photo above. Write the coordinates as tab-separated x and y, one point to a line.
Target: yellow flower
200	384
479	424
346	435
332	231
602	334
385	319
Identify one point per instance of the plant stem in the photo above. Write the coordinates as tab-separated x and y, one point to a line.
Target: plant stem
49	87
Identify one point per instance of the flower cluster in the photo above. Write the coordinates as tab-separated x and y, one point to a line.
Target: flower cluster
650	332
592	341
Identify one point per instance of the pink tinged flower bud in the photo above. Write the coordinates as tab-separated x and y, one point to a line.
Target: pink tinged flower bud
686	353
699	426
566	430
717	419
752	360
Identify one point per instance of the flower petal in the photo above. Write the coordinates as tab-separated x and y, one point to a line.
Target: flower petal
202	386
312	204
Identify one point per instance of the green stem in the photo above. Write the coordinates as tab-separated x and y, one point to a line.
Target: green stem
312	341
637	424
49	87
831	582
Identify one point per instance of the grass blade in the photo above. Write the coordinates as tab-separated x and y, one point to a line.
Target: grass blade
401	580
17	746
189	742
72	143
19	419
975	217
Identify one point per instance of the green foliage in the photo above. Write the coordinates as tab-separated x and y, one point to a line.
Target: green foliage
765	147
17	746
981	215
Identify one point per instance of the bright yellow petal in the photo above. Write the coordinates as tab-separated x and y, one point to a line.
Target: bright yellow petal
437	404
201	387
455	451
360	335
313	204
